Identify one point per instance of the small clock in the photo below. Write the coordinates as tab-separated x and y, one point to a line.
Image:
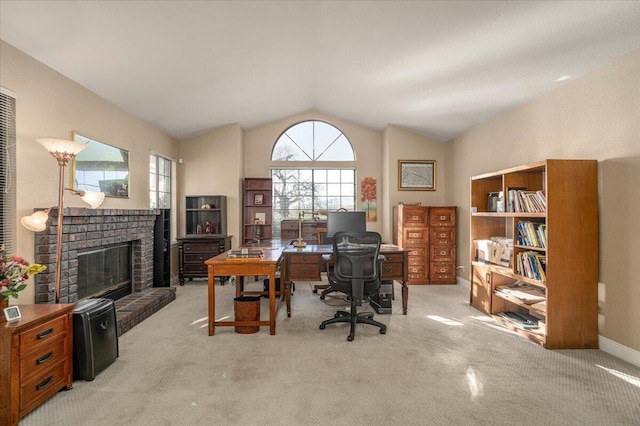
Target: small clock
12	313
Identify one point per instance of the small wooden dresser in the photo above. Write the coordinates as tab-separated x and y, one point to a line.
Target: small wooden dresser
193	250
36	358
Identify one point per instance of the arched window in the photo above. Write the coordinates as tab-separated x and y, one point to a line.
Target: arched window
306	185
312	141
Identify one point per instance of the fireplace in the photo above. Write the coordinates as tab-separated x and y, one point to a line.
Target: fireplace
105	272
87	232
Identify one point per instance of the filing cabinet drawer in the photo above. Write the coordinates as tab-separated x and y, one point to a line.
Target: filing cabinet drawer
414	216
442	216
443	253
443	272
416	236
443	236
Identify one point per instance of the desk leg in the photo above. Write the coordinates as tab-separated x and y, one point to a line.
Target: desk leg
272	300
405	297
239	285
212	301
287	297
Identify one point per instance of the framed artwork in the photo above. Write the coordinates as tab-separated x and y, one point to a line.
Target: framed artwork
416	175
258	198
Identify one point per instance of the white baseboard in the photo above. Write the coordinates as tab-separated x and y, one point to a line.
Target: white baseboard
616	349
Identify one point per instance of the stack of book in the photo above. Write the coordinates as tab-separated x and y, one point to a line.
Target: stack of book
520	320
245	254
524	292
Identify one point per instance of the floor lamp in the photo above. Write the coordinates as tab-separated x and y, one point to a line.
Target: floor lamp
63	150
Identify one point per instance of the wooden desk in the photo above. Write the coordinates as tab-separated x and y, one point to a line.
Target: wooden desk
220	266
306	264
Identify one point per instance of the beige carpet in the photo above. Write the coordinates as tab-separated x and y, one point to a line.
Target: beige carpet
443	364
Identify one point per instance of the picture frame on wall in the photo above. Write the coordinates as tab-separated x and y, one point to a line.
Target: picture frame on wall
258	199
416	175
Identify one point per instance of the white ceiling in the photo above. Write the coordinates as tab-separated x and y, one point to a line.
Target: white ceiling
437	68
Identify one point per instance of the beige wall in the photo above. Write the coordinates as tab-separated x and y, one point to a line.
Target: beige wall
50	105
401	144
596	116
212	164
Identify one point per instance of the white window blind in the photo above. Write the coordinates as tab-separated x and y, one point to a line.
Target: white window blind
7	169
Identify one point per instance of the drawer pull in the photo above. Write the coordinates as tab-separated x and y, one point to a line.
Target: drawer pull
44	383
44	358
443	270
443	252
443	218
45	333
443	235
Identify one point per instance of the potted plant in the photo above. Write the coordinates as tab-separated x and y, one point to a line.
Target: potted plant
14	271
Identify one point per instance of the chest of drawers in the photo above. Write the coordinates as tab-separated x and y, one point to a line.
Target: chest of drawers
35	359
193	251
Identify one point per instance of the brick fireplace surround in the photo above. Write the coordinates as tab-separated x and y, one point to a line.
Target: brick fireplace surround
85	229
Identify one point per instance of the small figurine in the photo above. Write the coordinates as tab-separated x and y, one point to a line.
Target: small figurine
207	228
199	229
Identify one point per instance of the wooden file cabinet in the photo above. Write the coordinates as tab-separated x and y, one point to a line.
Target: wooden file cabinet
35	359
429	234
442	245
194	250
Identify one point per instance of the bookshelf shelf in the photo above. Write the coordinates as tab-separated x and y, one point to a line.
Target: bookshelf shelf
567	256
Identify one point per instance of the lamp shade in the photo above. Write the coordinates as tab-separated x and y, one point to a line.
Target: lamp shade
94	199
61	146
36	222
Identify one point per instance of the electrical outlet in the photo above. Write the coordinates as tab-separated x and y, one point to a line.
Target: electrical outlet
460	268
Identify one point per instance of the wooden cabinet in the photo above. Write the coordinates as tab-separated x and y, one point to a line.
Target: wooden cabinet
563	267
442	245
35	359
206	214
429	233
289	230
257	216
195	249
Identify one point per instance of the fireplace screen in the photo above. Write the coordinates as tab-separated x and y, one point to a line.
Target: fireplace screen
104	270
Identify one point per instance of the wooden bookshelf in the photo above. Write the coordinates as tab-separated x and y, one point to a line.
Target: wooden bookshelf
571	251
257	195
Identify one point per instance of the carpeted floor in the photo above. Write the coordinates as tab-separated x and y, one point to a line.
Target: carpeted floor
444	363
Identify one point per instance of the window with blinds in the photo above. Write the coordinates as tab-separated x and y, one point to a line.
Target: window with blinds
7	169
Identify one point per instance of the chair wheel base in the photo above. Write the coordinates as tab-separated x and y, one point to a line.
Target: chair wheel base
350	338
322	326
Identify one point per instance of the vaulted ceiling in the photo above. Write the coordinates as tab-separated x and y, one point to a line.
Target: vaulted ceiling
437	68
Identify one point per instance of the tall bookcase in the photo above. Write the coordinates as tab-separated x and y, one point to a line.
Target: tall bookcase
162	249
570	318
256	213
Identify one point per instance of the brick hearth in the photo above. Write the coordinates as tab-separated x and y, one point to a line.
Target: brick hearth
85	229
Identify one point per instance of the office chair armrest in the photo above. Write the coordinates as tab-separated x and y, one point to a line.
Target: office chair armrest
326	257
381	258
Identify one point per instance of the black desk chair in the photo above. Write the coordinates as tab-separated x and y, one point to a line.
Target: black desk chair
356	272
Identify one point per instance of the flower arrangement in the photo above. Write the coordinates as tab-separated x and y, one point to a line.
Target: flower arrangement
14	271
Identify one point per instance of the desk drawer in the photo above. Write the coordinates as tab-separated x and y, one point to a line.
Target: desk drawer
42	334
305	271
305	258
391	270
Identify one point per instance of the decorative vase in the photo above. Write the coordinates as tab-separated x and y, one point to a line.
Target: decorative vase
4	303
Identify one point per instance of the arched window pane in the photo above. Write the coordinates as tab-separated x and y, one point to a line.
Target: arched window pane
312	141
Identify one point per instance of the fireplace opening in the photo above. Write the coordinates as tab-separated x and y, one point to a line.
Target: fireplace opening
105	272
